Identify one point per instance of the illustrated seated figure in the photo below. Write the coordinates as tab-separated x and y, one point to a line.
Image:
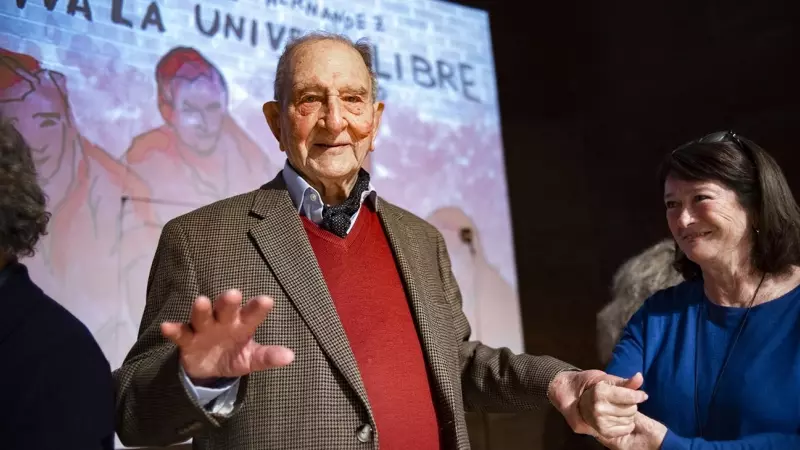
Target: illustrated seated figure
200	154
84	255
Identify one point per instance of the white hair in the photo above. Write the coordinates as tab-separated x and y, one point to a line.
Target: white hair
362	46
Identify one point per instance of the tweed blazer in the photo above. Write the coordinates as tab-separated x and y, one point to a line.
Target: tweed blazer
255	242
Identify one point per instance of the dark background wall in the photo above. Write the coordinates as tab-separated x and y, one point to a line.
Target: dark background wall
592	95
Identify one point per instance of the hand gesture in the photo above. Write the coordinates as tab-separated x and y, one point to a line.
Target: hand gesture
218	341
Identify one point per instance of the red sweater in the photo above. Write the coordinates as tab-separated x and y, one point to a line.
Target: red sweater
369	296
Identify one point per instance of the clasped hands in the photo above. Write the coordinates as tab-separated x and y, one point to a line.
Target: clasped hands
606	407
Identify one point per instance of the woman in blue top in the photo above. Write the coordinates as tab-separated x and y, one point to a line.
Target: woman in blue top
720	352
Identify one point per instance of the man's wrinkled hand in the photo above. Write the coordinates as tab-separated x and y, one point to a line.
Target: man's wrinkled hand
218	340
566	390
609	406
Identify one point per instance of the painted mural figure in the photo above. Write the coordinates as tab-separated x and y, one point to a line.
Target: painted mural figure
83	256
489	301
199	155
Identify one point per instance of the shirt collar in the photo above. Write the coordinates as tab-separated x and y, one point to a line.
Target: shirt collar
307	199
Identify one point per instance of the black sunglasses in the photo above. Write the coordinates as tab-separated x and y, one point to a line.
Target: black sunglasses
716	137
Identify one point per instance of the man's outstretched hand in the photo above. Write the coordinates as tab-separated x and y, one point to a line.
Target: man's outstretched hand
218	341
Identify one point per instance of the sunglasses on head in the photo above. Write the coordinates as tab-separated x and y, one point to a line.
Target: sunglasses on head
716	137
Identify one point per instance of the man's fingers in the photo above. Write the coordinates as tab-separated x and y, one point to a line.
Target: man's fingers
634	382
255	312
617	411
606	394
201	316
602	406
179	333
623	396
607	436
270	356
618	431
226	306
604	416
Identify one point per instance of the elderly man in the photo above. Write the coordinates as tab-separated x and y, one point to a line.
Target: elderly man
353	335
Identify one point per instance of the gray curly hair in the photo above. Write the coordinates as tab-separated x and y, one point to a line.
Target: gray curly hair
636	280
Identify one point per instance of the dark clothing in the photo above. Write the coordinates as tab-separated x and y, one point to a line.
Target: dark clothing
57	386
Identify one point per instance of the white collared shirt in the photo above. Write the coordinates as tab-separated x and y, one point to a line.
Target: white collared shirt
307	199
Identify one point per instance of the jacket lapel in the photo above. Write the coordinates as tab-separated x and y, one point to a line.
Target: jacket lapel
406	253
283	242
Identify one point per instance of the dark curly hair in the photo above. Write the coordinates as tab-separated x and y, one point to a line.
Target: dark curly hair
23	217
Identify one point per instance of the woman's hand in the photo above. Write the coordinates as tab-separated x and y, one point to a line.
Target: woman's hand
648	434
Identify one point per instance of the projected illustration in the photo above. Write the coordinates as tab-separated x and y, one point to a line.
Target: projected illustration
83	254
477	278
200	154
139	112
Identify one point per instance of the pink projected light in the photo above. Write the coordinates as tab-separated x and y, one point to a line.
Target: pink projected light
138	112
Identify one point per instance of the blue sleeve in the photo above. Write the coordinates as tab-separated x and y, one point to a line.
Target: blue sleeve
628	355
765	441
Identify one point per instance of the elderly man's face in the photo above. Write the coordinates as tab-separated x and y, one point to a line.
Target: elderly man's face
330	120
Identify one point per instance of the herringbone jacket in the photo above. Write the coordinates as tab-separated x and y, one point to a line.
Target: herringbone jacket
255	242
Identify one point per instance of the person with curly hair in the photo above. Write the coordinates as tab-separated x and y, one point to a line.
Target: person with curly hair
634	281
58	387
